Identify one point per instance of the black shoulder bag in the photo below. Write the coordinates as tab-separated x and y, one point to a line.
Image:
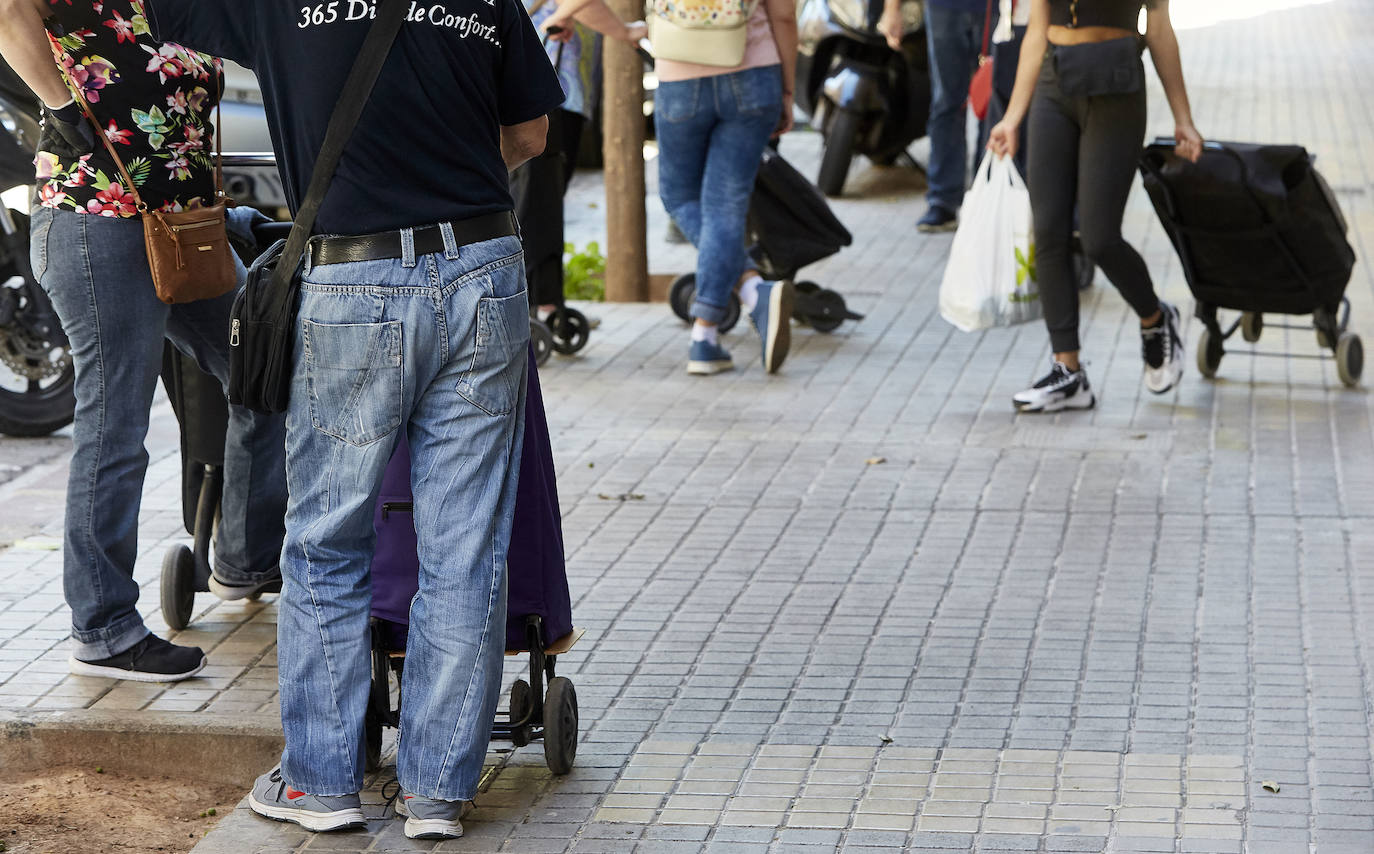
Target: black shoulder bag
263	326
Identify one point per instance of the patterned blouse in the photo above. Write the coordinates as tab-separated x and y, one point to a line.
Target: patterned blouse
154	101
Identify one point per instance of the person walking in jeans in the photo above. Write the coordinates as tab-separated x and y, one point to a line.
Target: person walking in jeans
413	317
1084	147
954	36
88	255
712	125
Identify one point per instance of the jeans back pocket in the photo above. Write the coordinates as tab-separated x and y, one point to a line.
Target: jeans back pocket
492	381
354	374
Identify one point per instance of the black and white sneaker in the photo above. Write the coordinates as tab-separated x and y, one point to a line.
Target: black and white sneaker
1060	389
150	660
1162	348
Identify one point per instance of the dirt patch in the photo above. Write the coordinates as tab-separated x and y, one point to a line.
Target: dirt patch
80	811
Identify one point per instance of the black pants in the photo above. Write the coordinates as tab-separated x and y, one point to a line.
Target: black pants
1083	151
538	188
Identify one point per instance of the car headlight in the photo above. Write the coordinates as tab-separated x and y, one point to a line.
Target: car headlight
850	13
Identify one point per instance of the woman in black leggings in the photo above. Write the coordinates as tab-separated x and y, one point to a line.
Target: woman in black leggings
1081	63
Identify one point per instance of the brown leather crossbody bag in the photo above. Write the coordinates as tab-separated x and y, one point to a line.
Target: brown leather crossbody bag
189	254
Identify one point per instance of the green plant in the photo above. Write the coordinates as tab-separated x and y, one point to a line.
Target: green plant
584	273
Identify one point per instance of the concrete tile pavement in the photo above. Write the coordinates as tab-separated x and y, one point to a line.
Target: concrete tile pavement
1092	632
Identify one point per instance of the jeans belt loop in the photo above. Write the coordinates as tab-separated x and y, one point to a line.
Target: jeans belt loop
450	242
306	261
407	247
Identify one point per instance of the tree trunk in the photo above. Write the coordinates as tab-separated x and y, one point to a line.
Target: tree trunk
622	122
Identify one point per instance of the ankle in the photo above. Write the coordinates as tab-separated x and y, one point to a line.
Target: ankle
1069	361
708	332
1153	320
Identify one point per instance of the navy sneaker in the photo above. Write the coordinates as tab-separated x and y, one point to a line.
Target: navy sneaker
937	218
273	798
705	358
150	660
772	317
427	818
268	582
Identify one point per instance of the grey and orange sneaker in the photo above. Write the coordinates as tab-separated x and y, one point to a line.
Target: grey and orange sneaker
427	818
273	798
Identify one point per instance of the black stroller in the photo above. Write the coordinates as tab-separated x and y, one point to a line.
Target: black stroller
790	225
1258	231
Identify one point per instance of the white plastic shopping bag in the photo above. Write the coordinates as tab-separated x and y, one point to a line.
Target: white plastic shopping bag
990	279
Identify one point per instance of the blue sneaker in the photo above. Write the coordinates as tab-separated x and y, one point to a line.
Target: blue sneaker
772	317
705	358
427	818
273	798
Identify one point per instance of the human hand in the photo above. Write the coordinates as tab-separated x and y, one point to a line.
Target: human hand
635	31
70	134
1188	142
785	120
890	25
1004	139
557	31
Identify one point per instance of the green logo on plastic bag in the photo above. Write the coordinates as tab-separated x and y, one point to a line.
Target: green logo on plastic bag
1025	270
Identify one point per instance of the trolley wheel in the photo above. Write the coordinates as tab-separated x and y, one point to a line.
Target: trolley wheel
680	295
521	710
1251	326
1209	353
570	330
684	291
372	740
178	586
542	339
1084	271
827	311
560	725
1350	358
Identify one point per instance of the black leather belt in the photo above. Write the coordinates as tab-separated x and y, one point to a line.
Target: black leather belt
428	240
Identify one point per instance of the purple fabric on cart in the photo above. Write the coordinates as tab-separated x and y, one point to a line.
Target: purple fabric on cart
538	574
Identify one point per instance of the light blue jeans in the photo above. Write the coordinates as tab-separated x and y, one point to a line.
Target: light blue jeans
434	346
95	270
711	135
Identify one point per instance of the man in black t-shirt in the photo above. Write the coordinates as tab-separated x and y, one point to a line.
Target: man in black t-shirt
427	335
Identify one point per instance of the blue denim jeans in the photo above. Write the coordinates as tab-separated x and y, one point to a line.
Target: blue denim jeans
96	271
435	346
953	39
711	136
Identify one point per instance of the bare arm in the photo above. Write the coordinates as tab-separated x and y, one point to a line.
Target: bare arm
890	24
24	44
1003	139
598	16
782	20
1163	44
523	141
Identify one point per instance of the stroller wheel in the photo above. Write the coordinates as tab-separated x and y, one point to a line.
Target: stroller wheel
1349	358
560	725
542	339
1209	353
827	311
570	329
684	291
680	295
178	586
1251	326
521	712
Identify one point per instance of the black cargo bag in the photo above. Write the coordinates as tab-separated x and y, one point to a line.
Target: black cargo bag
1256	227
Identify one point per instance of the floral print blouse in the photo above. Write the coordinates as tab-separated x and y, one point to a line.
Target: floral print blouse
154	102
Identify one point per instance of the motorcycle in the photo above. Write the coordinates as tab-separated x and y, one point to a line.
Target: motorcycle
36	373
864	97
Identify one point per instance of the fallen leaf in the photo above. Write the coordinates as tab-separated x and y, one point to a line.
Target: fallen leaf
1139	435
886	739
876	461
38	544
624	496
1270	786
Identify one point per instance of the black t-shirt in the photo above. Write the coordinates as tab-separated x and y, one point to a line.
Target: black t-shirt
428	145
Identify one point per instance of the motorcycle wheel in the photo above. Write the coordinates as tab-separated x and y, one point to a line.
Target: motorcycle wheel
37	379
839	152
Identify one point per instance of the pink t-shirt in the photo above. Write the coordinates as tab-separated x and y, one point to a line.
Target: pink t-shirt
759	50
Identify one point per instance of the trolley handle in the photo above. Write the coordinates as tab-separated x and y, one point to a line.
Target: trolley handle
245	160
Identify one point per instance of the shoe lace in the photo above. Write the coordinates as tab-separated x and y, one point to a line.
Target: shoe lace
1154	344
